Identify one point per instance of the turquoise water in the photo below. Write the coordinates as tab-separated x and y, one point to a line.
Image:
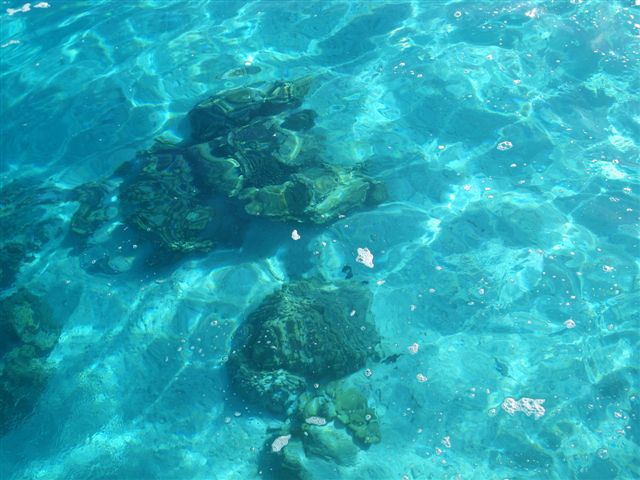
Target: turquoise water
503	293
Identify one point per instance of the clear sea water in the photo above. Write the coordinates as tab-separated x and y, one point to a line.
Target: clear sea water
506	261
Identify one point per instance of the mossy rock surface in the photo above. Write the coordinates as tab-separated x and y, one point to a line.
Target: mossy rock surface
163	201
331	443
346	405
94	209
28	333
309	331
217	115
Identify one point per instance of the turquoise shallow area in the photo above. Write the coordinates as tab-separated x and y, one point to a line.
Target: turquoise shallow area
507	134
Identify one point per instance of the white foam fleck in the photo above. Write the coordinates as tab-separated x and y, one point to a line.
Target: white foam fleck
24	8
505	145
280	442
316	421
10	42
365	257
528	406
295	235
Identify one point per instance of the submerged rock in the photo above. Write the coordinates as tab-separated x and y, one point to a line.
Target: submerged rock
300	334
347	405
28	333
94	209
245	149
162	200
331	443
217	115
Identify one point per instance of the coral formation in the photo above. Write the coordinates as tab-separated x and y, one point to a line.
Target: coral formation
303	333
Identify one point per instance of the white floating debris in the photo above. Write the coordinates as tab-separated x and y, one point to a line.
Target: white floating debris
42	5
503	146
368	372
413	348
446	441
570	323
533	13
365	257
528	406
607	268
24	8
380	282
280	442
316	421
421	378
295	235
10	42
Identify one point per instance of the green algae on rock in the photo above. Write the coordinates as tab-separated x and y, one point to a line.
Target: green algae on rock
94	211
28	333
217	115
306	332
344	404
162	200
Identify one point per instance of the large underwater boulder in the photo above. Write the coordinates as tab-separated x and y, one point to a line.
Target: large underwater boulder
307	332
244	147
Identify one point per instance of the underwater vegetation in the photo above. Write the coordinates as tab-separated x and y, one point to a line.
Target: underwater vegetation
251	150
290	356
300	335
